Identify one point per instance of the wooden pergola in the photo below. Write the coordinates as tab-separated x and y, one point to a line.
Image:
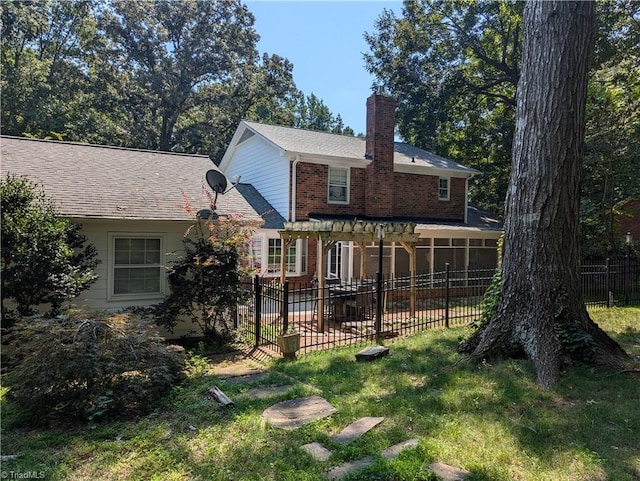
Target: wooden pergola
328	232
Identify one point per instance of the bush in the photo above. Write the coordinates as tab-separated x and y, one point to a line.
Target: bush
79	367
205	282
46	260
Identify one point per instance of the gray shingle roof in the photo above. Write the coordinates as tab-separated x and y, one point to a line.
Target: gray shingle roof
327	144
92	181
272	219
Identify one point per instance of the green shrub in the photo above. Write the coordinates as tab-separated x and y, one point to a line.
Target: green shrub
79	367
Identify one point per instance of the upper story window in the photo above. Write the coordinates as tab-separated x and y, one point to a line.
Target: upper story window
338	186
443	188
136	266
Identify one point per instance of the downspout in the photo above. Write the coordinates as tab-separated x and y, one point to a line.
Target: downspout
294	181
466	198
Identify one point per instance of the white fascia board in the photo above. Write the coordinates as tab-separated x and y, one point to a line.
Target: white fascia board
331	160
233	145
423	170
426	231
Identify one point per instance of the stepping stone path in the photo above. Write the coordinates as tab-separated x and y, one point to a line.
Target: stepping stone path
348	468
444	472
356	429
294	413
318	451
371	353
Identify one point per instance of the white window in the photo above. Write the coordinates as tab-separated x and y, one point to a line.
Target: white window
295	261
136	266
443	188
338	192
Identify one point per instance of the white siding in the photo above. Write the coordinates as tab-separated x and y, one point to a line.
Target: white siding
97	232
265	167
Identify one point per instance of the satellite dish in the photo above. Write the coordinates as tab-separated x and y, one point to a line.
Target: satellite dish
217	181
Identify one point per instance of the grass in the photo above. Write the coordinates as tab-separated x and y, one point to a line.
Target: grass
490	419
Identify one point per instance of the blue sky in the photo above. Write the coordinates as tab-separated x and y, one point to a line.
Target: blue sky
324	41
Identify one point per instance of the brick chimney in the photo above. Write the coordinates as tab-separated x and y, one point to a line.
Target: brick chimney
381	120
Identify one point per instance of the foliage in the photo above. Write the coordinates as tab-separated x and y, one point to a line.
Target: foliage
45	67
206	282
490	301
44	256
75	366
455	65
173	76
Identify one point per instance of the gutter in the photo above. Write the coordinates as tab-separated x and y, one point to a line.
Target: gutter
292	199
466	198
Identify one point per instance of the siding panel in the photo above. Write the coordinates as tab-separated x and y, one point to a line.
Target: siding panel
266	168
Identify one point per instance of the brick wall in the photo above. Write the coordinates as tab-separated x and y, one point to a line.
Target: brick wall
311	192
377	191
413	195
381	119
417	196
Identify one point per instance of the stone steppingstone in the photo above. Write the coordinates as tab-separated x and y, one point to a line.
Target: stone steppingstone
356	429
294	413
267	391
348	468
393	451
237	370
318	451
246	379
444	472
372	352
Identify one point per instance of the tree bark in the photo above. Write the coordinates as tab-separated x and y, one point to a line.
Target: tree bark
541	312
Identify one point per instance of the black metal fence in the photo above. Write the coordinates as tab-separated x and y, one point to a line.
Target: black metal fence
366	310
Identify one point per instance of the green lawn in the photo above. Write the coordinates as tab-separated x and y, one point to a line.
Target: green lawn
489	419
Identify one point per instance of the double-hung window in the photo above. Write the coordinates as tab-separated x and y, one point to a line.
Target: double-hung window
136	267
443	188
338	185
295	257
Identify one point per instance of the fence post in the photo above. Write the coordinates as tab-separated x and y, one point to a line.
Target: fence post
607	270
378	306
285	307
446	295
257	289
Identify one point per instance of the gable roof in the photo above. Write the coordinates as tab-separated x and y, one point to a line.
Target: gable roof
94	181
312	143
272	219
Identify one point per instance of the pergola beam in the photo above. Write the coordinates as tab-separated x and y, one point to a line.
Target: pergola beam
328	233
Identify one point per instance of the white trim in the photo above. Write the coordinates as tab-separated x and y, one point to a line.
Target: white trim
301	250
112	236
348	186
448	196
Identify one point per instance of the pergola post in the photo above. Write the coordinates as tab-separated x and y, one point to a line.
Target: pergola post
410	247
363	265
323	248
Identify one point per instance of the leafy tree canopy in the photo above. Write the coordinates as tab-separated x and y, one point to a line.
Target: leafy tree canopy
173	76
454	66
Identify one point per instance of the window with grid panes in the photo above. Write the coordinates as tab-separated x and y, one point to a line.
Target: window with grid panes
137	265
338	185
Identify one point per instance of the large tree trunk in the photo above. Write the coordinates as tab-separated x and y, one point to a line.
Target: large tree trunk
541	313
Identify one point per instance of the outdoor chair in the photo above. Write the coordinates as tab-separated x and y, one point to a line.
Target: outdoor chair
363	305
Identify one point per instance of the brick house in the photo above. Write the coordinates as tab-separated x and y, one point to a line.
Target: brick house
323	181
